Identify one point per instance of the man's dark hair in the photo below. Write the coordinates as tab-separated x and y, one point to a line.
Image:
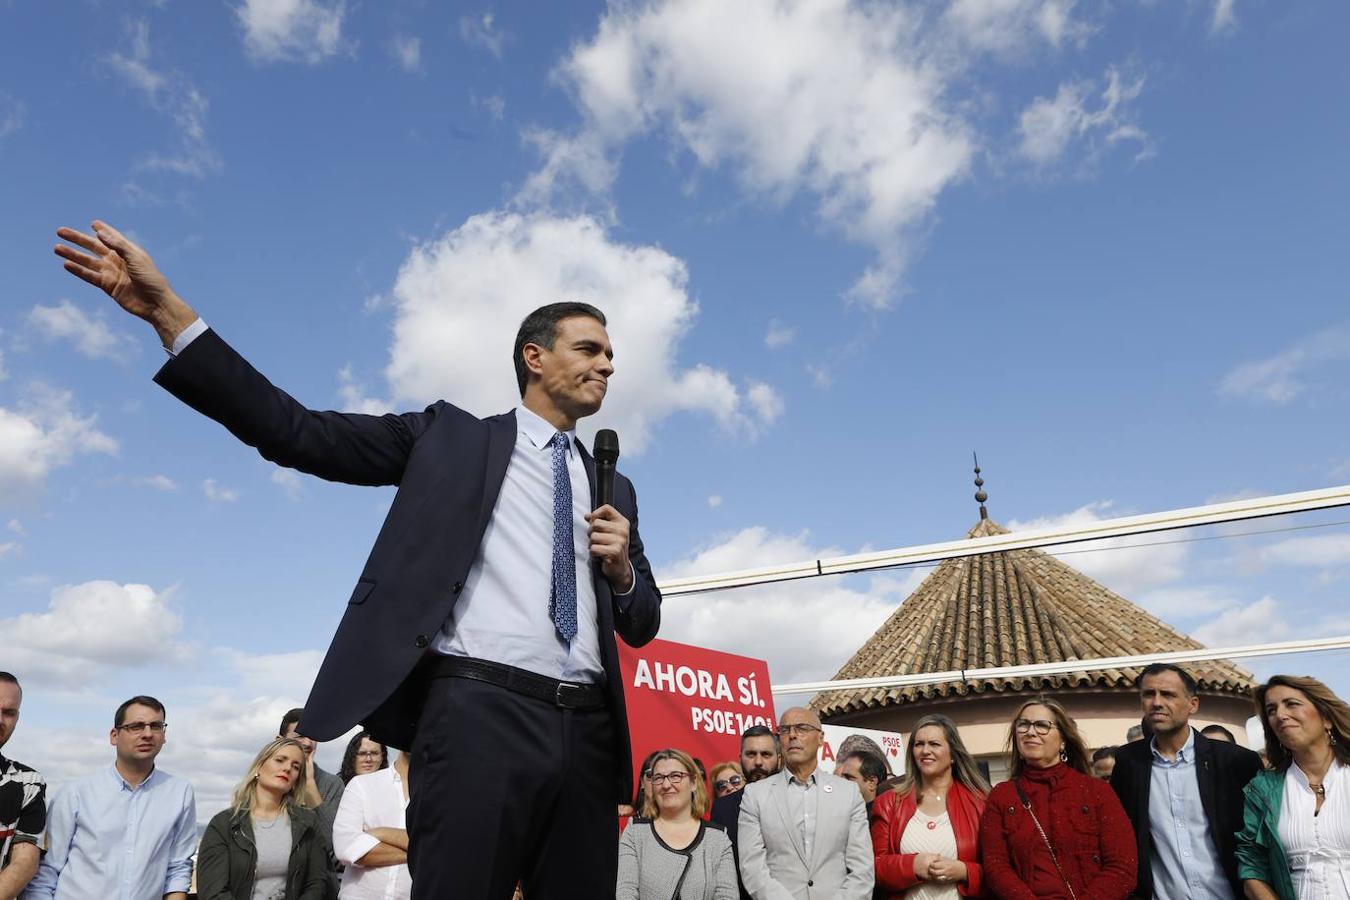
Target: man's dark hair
292	717
1158	668
869	764
140	700
1219	730
1102	753
541	327
7	678
755	731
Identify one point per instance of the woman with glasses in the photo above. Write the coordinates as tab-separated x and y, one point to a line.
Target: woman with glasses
370	835
926	830
1295	840
362	756
1053	832
670	853
266	846
727	778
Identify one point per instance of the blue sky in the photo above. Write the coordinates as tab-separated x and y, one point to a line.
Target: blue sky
841	244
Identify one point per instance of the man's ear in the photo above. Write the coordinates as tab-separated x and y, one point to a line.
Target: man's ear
532	354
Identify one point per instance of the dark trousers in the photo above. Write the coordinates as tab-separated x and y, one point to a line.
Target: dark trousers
507	788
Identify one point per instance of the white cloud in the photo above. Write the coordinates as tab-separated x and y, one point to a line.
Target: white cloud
88	627
91	336
480	31
1049	126
805	630
1127	570
779	335
10	548
289	482
1224	19
1256	623
1320	551
16	527
714	501
12	113
173	95
407	52
460	299
494	105
218	493
1012	26
41	434
1174	603
1281	378
291	30
158	482
840	100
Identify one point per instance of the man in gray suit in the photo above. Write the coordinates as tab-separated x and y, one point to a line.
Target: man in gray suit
803	833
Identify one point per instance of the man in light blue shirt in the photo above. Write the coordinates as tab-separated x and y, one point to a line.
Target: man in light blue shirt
1183	794
126	832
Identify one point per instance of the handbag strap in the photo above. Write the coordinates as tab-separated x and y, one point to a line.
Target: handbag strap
1054	857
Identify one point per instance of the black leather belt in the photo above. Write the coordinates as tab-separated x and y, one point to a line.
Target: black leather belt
563	694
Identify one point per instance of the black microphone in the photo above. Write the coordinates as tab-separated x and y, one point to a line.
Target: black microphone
606	457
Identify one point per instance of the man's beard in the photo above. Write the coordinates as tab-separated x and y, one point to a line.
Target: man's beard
757	775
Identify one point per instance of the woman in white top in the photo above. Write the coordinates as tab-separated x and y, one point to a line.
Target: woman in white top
370	835
925	831
1295	842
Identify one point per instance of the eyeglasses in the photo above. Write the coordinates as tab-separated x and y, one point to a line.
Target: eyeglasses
1023	726
724	783
369	754
789	730
675	778
139	727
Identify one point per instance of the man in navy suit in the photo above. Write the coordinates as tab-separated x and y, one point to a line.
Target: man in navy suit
486	612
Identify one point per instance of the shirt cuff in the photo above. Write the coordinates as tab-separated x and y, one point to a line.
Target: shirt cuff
186	336
628	594
357	847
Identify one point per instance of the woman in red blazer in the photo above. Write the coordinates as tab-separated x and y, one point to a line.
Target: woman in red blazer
925	831
1053	832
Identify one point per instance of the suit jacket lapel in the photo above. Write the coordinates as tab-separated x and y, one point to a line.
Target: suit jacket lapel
501	441
794	829
1204	772
824	812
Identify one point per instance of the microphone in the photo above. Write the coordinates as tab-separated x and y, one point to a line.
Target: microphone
606	455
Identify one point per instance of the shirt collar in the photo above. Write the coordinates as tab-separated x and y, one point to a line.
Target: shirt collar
125	785
540	431
1185	755
792	779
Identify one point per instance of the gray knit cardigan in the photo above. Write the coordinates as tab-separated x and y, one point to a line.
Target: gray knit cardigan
650	870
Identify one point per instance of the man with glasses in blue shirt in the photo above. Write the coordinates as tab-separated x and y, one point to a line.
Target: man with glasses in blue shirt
127	832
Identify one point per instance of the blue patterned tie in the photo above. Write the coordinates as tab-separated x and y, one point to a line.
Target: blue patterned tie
563	603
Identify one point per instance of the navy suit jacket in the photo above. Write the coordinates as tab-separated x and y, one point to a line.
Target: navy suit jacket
449	466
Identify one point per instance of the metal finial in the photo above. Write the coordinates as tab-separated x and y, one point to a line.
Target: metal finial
980	495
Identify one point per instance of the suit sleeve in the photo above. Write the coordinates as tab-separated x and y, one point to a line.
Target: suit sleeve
213	379
1117	844
754	855
637	614
1000	877
895	871
858	862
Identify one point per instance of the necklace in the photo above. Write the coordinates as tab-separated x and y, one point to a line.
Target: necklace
270	823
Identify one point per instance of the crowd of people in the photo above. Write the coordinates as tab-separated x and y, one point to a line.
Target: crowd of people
1175	812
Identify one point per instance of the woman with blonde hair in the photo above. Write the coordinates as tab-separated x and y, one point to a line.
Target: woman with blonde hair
926	830
669	852
727	778
1295	840
266	846
1052	831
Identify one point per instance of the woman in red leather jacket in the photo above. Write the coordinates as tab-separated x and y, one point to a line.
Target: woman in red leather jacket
1054	832
925	831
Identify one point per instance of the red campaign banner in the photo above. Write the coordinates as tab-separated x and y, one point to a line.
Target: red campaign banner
692	699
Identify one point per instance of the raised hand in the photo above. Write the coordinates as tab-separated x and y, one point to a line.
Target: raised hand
125	272
609	544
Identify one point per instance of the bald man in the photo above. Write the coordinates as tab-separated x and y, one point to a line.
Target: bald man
803	832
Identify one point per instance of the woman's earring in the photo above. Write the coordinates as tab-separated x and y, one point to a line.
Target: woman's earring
1332	736
1063	755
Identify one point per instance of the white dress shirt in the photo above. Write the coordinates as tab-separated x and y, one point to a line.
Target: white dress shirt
503	612
1317	846
374	800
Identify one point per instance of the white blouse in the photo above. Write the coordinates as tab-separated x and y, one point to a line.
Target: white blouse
1317	845
930	834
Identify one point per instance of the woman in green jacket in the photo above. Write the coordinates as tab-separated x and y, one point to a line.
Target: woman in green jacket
266	846
1295	839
